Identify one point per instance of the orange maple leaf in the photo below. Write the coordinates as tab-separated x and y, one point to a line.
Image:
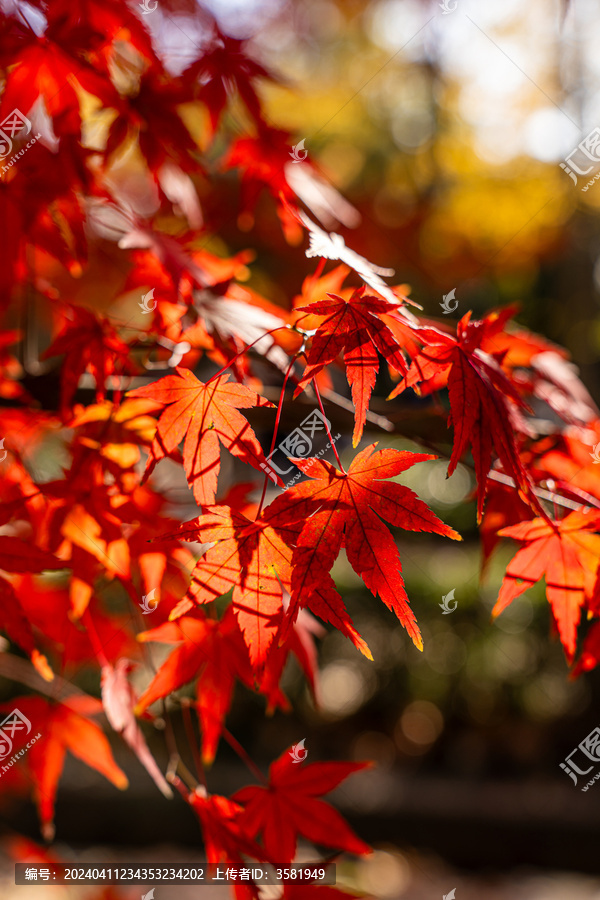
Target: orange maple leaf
63	726
204	415
567	554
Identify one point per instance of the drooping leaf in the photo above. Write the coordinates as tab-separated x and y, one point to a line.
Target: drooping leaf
118	700
483	402
224	66
567	555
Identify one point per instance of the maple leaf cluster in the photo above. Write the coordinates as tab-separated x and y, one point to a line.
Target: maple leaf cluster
119	268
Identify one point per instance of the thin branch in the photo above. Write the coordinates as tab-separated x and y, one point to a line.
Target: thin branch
241	353
176	764
373	418
277	420
235	745
191	737
501	478
542	493
16	669
329	434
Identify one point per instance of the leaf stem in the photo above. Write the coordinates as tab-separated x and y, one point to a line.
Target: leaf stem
87	620
189	732
277	420
329	435
241	353
235	745
175	761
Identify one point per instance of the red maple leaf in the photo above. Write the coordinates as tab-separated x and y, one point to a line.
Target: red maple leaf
567	460
262	159
150	114
84	526
93	27
225	839
63	726
14	623
116	431
346	508
203	414
223	67
300	642
210	651
89	342
290	805
44	69
502	508
567	554
47	608
249	556
353	326
20	557
480	401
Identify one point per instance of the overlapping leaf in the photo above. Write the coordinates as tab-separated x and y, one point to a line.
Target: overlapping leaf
249	556
482	401
89	342
353	326
203	416
347	508
225	839
211	651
